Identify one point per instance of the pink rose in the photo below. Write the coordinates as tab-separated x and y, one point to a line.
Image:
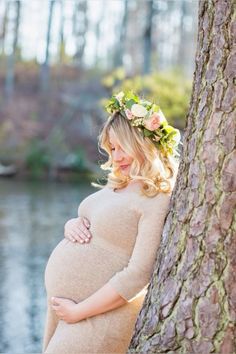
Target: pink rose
129	114
153	122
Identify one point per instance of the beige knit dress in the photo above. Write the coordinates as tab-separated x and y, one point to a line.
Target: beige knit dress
126	228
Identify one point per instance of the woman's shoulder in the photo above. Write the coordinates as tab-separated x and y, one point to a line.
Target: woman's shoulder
159	198
158	204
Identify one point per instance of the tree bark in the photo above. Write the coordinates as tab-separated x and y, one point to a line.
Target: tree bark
190	306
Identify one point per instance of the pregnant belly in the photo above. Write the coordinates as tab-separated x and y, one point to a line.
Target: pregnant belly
76	271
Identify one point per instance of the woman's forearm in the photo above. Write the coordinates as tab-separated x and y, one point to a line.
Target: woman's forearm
103	300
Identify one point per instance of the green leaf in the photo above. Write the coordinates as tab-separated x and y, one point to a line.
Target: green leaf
168	128
164	123
131	96
155	107
172	134
130	103
147	132
116	103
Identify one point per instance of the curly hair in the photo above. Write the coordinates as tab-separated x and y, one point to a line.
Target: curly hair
157	172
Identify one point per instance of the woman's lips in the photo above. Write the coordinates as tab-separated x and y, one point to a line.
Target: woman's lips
124	166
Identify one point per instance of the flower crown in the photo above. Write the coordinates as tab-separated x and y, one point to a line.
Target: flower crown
148	118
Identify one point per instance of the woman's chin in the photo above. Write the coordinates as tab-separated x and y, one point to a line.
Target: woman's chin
125	172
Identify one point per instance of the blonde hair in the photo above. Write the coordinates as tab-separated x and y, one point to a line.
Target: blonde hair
156	171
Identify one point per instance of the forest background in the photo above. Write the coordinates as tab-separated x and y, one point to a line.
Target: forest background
60	60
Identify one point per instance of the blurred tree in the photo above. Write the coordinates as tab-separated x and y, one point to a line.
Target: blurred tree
62	53
4	26
168	27
122	33
10	72
80	27
173	25
148	38
133	59
190	306
45	66
186	45
182	48
97	32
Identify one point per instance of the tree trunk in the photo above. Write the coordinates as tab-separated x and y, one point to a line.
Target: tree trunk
80	28
191	302
147	38
10	71
4	28
45	66
62	53
98	34
183	48
121	33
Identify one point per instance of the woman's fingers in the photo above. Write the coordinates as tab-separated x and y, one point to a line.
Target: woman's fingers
85	232
86	222
81	234
72	236
76	230
77	235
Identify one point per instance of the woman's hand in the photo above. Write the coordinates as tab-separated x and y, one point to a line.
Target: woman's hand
65	309
76	229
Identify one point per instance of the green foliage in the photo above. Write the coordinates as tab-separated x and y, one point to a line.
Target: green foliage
117	75
37	159
77	160
170	90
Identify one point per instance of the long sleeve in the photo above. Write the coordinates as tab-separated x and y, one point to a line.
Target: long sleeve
136	275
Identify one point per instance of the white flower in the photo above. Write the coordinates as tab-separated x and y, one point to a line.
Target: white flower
177	137
163	118
119	96
138	111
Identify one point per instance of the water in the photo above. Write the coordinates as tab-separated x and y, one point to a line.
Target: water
32	218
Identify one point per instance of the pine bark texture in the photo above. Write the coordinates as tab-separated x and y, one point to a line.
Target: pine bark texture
190	306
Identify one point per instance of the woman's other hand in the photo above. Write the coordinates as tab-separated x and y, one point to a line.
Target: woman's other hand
65	309
76	230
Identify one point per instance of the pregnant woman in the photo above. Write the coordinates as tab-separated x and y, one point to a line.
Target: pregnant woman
96	289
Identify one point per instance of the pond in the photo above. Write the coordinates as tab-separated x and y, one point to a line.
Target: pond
32	218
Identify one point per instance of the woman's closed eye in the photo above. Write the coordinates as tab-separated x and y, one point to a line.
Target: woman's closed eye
119	148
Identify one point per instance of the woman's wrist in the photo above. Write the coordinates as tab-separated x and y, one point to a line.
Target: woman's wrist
80	311
103	300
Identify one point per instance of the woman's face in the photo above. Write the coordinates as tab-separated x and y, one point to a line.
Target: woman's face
120	158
